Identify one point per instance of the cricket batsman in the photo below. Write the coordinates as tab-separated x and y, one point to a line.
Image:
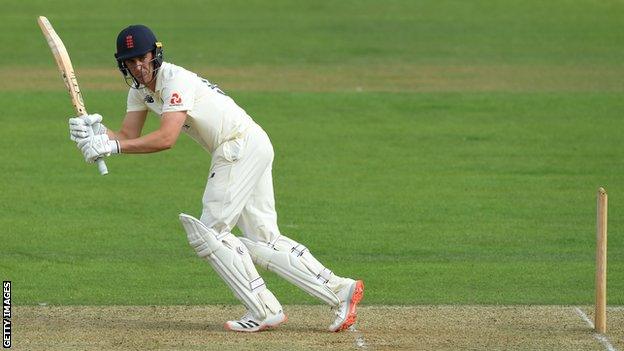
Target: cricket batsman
239	186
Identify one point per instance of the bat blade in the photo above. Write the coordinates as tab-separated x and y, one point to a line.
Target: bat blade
61	56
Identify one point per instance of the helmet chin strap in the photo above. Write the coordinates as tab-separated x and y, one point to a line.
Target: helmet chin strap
132	82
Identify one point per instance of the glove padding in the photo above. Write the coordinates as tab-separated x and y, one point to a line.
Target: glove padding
95	146
79	126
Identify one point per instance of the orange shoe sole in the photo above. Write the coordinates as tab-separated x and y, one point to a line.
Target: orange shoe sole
358	294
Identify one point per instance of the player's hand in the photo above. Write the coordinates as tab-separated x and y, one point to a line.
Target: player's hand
79	126
97	146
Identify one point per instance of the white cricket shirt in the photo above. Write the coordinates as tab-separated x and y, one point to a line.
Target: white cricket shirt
212	117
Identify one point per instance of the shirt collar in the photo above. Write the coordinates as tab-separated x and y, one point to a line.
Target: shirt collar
159	76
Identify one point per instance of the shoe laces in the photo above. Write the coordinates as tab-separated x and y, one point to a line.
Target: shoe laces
248	316
339	310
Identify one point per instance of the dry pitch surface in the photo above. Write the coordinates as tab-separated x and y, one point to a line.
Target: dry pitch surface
378	328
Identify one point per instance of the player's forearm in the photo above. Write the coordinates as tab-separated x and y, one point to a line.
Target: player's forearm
120	135
112	135
152	142
131	126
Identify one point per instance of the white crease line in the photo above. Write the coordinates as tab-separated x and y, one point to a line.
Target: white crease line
602	338
584	317
360	342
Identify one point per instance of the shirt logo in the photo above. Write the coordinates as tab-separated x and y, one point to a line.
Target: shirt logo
129	42
176	99
149	99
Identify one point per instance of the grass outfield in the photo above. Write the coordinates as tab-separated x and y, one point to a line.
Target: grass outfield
444	152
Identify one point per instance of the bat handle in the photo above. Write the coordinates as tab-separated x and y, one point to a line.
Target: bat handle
100	161
102	166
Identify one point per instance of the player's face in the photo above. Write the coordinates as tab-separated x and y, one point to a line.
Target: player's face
141	67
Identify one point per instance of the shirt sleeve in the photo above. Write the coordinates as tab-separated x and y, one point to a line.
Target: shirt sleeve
179	93
135	102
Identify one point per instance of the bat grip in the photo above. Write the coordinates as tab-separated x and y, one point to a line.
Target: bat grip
100	161
102	166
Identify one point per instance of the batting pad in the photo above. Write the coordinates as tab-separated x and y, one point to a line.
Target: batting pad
294	262
229	257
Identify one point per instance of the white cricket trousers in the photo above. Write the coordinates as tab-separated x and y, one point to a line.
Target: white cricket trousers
239	190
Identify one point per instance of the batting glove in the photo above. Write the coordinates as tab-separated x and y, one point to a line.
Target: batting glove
97	146
79	126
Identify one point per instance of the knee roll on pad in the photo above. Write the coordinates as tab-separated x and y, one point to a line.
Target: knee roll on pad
295	263
229	257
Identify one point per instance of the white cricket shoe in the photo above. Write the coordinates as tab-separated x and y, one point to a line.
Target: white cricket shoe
347	310
249	324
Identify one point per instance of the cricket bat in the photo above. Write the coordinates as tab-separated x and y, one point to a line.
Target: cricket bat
67	72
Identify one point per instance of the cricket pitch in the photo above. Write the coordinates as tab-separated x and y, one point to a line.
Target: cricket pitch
378	328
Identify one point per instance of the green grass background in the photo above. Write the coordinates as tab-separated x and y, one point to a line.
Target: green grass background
478	196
